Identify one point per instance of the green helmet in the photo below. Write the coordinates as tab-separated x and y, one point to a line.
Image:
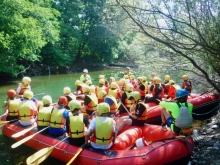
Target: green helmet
47	100
129	87
101	94
134	95
74	105
28	94
103	108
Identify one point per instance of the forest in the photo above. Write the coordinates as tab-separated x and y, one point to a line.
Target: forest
169	36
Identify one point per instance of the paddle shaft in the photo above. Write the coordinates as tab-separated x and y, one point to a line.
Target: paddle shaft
26	139
76	155
124	107
176	137
2	123
42	154
39	94
18	134
210	90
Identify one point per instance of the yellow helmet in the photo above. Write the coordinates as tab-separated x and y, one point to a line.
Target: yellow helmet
140	79
114	85
101	77
88	82
28	94
112	79
77	83
185	77
74	105
86	89
26	80
135	95
101	94
132	77
103	108
102	81
126	77
171	82
66	90
144	78
129	87
122	81
47	100
166	77
157	80
128	68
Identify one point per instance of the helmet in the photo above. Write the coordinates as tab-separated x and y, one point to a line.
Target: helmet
101	94
144	78
26	80
86	89
77	83
74	105
66	90
62	101
185	77
11	93
28	94
102	81
157	80
122	81
112	78
89	82
181	93
132	77
166	77
47	100
128	68
126	76
85	70
103	108
101	77
140	78
129	87
135	95
114	85
171	82
153	74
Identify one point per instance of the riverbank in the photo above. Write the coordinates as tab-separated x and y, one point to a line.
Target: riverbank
207	142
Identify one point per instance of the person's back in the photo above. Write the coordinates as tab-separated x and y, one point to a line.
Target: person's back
103	129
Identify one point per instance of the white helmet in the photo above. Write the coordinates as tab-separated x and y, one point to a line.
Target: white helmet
85	70
66	90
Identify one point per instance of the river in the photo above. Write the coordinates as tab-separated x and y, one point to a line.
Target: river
52	85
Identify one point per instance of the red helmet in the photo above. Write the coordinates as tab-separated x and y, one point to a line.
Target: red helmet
62	101
11	93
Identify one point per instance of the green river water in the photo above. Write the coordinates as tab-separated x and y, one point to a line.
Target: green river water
52	85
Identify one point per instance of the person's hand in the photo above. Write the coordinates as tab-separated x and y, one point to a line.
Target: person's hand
65	135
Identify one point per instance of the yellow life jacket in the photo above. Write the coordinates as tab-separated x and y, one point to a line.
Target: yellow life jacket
92	106
113	92
23	88
44	114
98	89
57	120
92	89
25	112
13	107
103	132
128	103
76	126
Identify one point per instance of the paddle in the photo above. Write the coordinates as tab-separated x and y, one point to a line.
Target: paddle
77	154
2	115
124	107
39	94
208	91
18	134
18	143
2	123
42	154
176	137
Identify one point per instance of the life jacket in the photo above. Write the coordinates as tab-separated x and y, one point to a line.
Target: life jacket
128	103
57	120
144	114
161	94
92	89
93	103
146	86
142	92
113	92
172	92
103	133
187	84
13	107
23	88
43	116
113	107
25	112
76	126
98	89
184	119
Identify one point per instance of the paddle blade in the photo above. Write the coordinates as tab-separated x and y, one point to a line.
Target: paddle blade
18	143
39	156
2	123
18	134
77	154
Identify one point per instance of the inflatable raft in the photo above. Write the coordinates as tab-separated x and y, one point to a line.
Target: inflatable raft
159	148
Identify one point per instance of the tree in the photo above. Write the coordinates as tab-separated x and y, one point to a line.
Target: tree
188	29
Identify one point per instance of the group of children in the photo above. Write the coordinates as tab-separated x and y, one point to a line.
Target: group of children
126	98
